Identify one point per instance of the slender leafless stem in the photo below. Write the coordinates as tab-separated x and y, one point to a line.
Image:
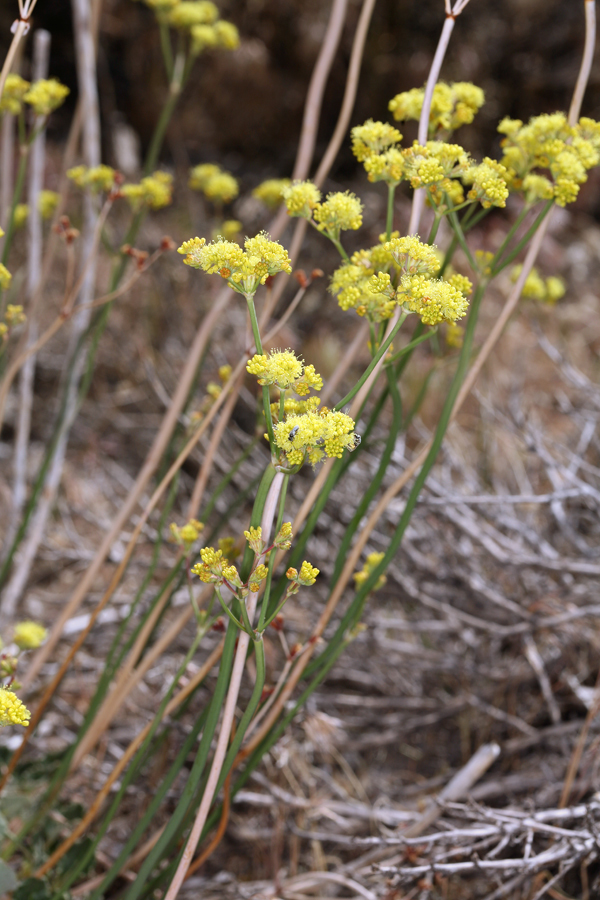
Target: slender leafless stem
41	56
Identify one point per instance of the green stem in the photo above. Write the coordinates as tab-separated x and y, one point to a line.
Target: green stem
381	352
389	222
228	612
165	46
456	227
259	349
409	347
267	594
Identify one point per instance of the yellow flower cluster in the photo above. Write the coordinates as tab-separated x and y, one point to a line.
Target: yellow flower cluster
29	635
259	574
315	435
195	12
187	535
220	36
46	95
244	269
301	198
210	570
255	540
5	277
452	105
216	184
12	710
489	183
283	538
352	284
14	315
339	212
154	190
375	145
98	178
200	19
412	256
549	143
306	576
270	192
433	299
296	407
548	290
371	562
47	203
14	91
284	369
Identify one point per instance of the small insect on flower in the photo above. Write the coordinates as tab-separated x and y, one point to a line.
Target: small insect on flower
293	433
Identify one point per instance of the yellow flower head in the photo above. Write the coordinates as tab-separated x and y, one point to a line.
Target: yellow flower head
254	538
98	178
5	277
14	315
371	563
388	166
222	188
21	215
12	710
158	189
193	12
373	138
434	300
46	95
352	283
283	540
270	192
15	89
412	256
454	335
452	105
201	175
340	212
244	269
315	435
29	635
548	290
489	182
308	574
301	197
284	369
228	37
47	203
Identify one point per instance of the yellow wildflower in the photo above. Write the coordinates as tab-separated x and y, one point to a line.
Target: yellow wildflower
21	215
15	89
373	138
270	192
5	277
47	203
315	435
12	710
193	12
489	183
301	197
222	188
284	369
14	315
29	635
46	95
371	563
245	269
452	105
434	300
340	212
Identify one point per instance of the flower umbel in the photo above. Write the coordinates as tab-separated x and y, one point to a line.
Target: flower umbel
29	635
245	269
12	710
